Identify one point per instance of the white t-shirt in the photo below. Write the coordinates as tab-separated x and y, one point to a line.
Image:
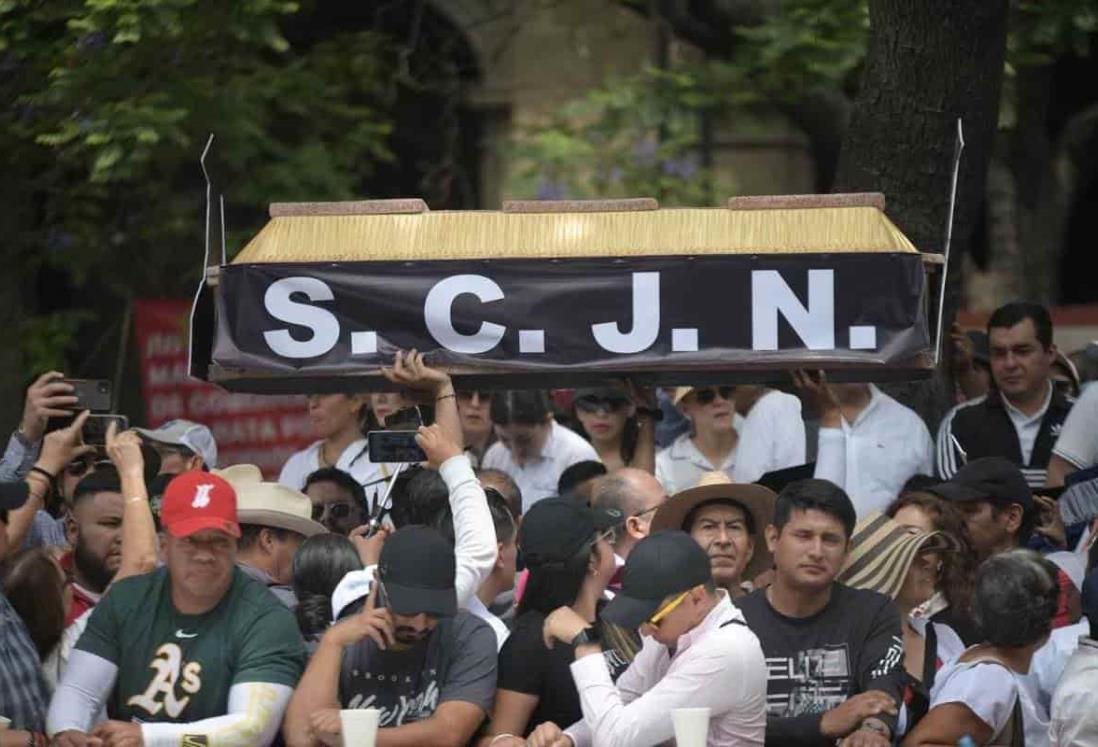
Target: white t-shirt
989	690
477	608
538	477
355	460
771	437
1078	442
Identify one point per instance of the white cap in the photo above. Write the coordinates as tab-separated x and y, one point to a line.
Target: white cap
1073	564
193	436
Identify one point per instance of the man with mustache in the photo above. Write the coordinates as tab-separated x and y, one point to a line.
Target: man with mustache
429	667
726	520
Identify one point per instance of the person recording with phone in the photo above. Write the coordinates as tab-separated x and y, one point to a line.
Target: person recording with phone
475	545
426	665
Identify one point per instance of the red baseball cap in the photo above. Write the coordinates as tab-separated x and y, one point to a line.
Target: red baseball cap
198	500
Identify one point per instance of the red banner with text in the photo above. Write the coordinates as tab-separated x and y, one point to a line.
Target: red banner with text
249	428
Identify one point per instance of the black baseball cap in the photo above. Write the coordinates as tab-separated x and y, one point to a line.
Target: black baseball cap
662	564
555	529
993	479
13	495
416	569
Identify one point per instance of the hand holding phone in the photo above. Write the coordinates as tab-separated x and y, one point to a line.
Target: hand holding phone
389	447
437	447
91	394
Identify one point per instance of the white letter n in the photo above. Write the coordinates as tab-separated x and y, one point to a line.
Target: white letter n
815	325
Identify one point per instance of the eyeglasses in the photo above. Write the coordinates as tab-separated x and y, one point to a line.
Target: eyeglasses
658	617
466	395
646	511
709	394
607	535
594	404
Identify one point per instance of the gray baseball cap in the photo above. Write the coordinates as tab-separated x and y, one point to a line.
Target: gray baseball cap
188	434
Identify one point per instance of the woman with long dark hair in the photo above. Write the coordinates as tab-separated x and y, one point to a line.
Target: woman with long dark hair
623	433
566	547
319	565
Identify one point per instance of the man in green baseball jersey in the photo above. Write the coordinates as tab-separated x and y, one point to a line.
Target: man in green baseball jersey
194	653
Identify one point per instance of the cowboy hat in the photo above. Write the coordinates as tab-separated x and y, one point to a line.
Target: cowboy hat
716	487
270	504
882	550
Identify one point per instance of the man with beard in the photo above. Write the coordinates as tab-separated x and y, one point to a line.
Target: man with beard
94	531
429	667
726	520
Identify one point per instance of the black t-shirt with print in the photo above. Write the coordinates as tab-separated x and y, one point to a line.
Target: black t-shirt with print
527	666
815	663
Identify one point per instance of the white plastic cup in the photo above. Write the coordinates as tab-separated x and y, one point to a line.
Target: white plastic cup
691	726
359	726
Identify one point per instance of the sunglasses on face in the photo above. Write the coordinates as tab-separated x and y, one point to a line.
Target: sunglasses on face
666	610
594	404
467	395
709	395
334	510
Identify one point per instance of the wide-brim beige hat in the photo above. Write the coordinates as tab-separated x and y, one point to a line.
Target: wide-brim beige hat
270	504
714	487
882	550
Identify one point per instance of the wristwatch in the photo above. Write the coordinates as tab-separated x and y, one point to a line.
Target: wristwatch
588	636
651	412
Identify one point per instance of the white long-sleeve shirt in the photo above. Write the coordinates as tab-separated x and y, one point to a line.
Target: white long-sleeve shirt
475	548
874	456
1075	703
771	437
719	665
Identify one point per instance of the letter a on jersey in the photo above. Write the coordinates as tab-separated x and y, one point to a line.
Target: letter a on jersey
202	495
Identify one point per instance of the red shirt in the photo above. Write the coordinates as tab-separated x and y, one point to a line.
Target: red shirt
82	599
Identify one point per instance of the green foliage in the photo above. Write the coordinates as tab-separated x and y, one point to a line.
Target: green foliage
1043	30
633	136
111	101
641	135
46	339
801	46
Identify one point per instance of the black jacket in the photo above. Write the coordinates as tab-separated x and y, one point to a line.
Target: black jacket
982	428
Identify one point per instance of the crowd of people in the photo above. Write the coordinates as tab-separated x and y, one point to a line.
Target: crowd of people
814	564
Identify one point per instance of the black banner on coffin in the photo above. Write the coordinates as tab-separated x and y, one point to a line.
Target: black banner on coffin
305	327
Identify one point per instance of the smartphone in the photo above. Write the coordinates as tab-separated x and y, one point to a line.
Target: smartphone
408	419
91	394
394	446
95	428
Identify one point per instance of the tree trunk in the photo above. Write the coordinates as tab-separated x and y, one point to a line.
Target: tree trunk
928	63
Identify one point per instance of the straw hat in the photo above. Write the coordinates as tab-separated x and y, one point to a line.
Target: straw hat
717	487
882	551
270	504
680	394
